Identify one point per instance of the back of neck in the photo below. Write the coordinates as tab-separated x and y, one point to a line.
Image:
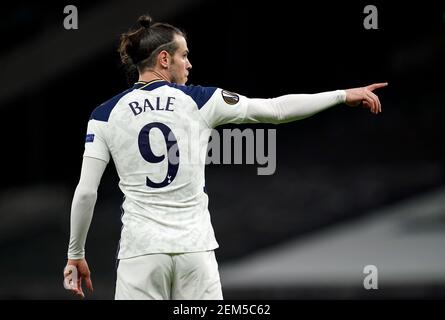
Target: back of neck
150	75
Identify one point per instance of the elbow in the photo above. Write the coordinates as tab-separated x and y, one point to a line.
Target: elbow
276	120
277	117
85	195
276	114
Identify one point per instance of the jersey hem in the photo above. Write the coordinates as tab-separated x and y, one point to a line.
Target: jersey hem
122	257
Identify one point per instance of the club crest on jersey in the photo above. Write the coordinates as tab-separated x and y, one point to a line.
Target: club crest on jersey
230	97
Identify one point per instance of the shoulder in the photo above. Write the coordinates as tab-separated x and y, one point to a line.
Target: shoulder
102	112
199	94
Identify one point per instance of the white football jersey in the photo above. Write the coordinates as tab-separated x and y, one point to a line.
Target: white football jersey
157	134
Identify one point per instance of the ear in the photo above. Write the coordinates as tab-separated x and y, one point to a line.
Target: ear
164	59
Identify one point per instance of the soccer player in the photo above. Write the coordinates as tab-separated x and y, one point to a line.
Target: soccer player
167	244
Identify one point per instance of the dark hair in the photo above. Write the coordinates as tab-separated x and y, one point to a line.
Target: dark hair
139	47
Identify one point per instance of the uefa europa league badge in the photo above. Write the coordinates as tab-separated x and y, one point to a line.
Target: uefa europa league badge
230	97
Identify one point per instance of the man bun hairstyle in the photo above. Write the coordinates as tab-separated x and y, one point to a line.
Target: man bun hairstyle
140	46
145	21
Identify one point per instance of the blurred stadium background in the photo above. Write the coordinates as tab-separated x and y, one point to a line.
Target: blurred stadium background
351	189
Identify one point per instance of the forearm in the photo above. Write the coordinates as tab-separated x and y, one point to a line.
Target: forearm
81	215
292	107
82	207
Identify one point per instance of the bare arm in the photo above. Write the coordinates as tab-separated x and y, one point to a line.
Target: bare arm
82	208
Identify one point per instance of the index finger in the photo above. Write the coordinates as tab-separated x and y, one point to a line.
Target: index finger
374	86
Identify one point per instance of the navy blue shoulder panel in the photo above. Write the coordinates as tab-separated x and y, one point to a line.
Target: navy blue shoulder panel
199	94
102	112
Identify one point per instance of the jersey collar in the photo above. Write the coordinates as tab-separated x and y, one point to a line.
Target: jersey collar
150	85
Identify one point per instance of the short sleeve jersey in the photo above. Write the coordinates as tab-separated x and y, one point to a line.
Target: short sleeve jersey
157	134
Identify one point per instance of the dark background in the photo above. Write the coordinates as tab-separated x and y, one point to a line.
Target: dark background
331	168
